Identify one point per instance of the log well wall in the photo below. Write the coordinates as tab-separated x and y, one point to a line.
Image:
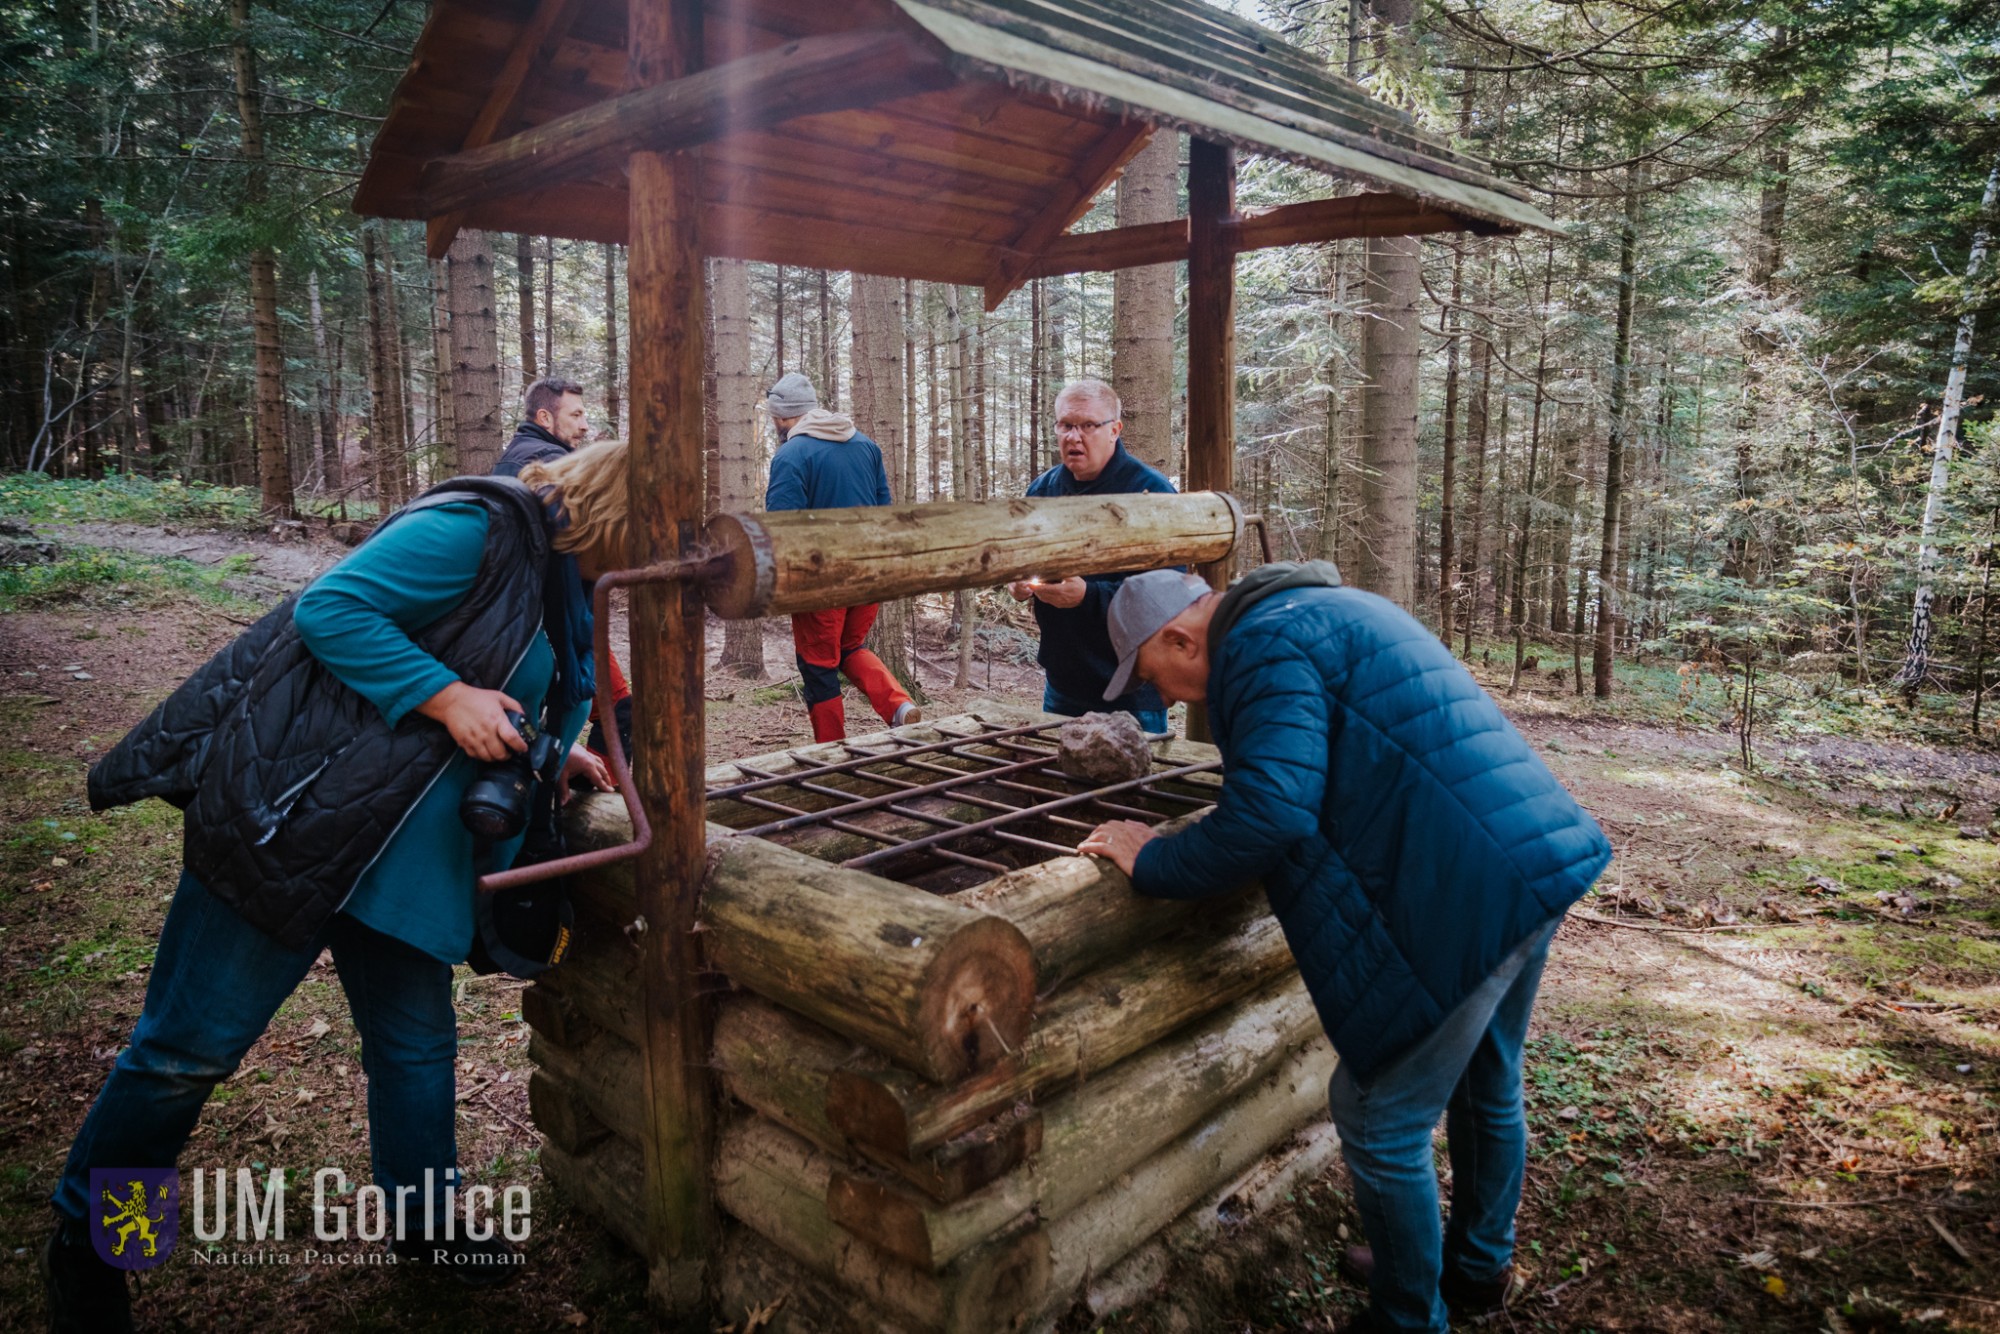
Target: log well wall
943	1112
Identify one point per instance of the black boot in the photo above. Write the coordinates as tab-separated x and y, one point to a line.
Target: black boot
86	1295
475	1264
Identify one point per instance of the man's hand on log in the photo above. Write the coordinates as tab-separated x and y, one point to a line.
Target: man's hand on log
1063	593
477	719
1119	841
584	763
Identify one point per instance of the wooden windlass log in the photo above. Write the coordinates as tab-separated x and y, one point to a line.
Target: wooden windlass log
807	560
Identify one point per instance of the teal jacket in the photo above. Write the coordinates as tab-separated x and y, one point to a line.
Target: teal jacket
358	618
1408	837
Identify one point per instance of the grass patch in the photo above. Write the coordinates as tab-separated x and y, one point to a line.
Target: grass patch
127	500
95	574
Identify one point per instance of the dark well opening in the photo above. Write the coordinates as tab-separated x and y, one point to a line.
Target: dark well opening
948	814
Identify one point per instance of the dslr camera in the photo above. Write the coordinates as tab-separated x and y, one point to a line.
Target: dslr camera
498	801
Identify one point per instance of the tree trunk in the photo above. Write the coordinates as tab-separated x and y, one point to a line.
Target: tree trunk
935	387
739	487
399	377
1142	306
1917	651
1614	450
524	284
475	354
612	427
875	316
977	442
444	432
778	322
1476	419
829	382
1448	480
1332	462
385	416
329	431
274	468
1037	308
964	608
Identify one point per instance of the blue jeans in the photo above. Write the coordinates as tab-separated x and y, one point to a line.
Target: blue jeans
216	983
1069	706
1469	1072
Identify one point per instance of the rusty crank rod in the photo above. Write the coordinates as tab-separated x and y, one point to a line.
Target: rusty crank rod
753	565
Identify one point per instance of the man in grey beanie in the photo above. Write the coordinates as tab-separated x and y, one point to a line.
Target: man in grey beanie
823	463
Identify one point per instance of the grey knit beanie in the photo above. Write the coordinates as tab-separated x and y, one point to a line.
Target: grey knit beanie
792	396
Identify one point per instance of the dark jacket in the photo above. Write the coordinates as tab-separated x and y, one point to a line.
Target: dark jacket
808	473
1076	650
531	444
1408	837
292	782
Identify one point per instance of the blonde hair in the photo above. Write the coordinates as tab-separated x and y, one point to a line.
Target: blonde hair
589	485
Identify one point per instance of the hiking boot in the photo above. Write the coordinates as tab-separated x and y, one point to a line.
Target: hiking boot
1463	1295
906	713
1475	1296
475	1264
86	1295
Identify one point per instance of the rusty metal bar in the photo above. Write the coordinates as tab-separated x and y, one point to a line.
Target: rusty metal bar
614	751
1026	812
845	766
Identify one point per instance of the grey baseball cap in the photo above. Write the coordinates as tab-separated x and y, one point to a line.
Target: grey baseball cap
1143	605
791	396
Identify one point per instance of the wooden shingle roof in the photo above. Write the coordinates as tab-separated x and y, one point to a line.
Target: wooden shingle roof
948	140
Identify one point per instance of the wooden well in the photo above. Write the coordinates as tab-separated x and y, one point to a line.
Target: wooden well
941	1112
953	141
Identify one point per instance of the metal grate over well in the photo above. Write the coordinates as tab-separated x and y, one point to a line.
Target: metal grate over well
947	814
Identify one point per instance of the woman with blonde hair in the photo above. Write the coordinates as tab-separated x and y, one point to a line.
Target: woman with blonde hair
320	760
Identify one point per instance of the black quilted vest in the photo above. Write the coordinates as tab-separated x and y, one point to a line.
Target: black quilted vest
292	782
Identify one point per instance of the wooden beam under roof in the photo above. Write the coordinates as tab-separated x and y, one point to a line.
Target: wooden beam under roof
811	76
1119	146
545	29
1290	224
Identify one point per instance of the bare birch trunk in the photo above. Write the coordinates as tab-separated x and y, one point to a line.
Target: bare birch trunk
1917	651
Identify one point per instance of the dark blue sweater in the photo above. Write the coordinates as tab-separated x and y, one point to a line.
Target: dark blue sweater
1076	641
808	473
1408	837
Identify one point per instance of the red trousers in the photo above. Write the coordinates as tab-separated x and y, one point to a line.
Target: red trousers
829	643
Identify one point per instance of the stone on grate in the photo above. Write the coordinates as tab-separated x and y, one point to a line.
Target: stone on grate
1105	748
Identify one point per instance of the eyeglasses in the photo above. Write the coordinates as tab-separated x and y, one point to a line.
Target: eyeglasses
1078	428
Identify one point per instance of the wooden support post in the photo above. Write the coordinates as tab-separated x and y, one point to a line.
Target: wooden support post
667	323
1211	380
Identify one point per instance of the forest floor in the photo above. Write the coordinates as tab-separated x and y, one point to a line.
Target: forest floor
1764	1085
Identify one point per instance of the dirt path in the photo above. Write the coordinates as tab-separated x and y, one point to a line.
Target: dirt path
1734	1128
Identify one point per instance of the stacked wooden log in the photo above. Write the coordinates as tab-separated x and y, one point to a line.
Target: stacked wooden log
947	1112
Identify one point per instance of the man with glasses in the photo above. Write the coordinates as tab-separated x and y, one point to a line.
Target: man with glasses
1076	653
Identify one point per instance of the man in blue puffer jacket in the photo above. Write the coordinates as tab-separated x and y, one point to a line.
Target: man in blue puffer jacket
1419	856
